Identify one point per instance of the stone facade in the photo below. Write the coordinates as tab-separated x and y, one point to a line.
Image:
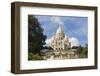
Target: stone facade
59	41
61	46
60	54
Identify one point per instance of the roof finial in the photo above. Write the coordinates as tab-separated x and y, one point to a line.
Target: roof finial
59	30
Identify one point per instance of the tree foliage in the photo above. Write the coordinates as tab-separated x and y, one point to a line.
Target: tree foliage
48	47
34	57
75	47
82	51
36	38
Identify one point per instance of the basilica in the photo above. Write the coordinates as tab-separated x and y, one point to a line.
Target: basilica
59	41
61	47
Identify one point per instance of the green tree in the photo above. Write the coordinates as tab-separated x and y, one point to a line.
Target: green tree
82	52
85	51
36	38
34	57
75	47
79	51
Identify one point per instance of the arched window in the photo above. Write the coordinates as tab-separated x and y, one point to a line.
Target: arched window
59	43
59	48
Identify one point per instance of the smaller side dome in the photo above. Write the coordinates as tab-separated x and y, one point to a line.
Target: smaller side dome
50	40
66	38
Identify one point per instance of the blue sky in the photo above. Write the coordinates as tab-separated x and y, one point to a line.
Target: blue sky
73	26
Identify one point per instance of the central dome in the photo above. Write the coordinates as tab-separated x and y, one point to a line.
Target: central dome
59	30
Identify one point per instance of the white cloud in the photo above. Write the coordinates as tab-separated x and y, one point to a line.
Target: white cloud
74	41
57	20
48	41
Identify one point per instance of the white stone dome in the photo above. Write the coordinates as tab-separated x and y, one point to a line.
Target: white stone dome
50	40
59	30
66	37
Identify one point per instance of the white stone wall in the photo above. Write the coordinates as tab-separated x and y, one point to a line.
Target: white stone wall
60	41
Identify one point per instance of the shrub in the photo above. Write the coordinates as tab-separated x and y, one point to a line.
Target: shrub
34	57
